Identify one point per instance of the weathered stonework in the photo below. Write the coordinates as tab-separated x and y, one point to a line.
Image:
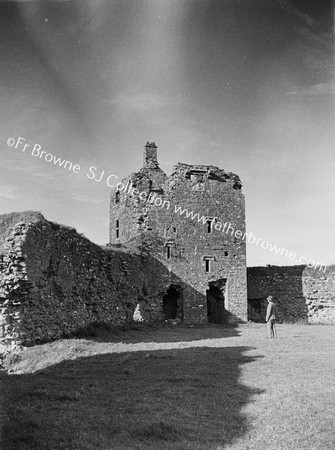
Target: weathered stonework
168	258
210	262
302	294
319	292
54	283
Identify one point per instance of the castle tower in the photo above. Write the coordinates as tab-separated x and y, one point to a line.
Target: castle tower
132	206
193	223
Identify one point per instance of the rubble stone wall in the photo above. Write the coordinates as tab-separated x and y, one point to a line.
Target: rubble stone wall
319	292
55	282
302	294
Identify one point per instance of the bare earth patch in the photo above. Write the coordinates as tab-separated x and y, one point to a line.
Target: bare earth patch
188	388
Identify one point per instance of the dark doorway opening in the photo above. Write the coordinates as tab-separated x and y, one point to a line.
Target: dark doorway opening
171	303
216	312
257	309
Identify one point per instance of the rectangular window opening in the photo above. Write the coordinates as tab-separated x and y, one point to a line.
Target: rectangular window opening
209	225
117	228
208	263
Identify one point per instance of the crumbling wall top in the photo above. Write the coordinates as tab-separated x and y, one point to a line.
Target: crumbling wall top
7	222
150	145
212	172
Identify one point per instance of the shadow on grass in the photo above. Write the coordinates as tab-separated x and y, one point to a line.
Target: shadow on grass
153	332
175	399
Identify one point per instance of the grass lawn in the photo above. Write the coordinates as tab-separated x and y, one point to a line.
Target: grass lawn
206	388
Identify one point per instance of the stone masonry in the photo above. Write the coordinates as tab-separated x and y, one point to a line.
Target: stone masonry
302	294
54	282
174	254
187	222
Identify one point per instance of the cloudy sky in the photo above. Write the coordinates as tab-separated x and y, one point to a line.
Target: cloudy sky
247	85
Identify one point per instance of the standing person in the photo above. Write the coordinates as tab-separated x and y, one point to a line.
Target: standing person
271	313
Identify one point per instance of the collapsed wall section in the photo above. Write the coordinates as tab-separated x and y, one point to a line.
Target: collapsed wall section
7	221
301	293
55	282
13	277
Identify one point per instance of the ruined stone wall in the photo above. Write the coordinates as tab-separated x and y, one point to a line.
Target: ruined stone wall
319	293
301	293
7	221
181	243
12	273
54	282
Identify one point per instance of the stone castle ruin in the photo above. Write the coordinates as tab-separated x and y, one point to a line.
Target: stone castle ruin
207	268
167	259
